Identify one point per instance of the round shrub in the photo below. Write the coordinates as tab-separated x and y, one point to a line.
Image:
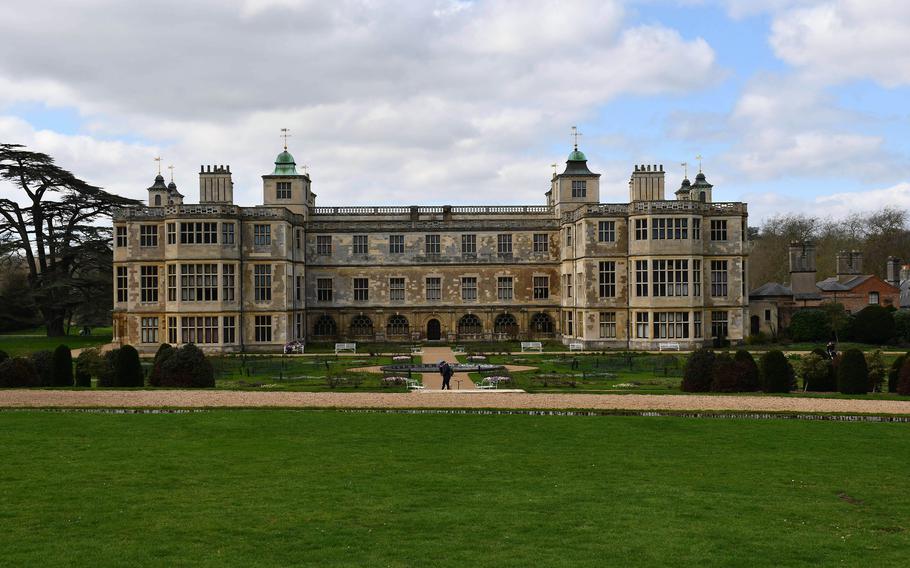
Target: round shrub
128	368
107	368
698	374
776	372
187	367
164	352
724	374
894	372
63	366
875	363
747	369
18	372
82	377
44	366
852	373
817	371
92	363
902	325
874	324
810	325
903	382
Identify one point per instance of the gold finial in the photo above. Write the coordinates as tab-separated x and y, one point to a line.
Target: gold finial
698	157
285	135
171	167
575	135
685	166
158	159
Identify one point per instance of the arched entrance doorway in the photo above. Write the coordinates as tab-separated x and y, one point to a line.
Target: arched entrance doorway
434	332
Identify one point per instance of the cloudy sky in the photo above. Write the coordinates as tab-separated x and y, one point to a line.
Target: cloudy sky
795	105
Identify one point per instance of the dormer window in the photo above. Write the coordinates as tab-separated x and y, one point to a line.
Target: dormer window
283	190
579	188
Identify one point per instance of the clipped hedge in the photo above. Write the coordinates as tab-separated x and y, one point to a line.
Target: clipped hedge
186	367
852	373
164	352
747	368
698	373
817	372
894	372
810	325
724	374
874	324
903	382
128	368
776	372
63	366
18	372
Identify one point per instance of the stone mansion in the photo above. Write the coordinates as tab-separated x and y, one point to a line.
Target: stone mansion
607	275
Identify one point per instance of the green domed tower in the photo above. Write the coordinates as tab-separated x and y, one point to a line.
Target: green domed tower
576	185
287	187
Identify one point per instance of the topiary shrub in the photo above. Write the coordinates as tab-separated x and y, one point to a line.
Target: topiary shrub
902	325
82	378
874	324
817	372
698	373
852	373
894	372
903	381
63	366
810	325
875	363
92	363
164	352
776	372
747	369
44	366
18	372
187	367
724	374
107	371
128	368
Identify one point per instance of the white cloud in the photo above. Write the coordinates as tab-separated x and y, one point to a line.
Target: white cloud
846	203
387	101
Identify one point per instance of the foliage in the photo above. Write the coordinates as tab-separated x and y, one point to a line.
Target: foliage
17	306
44	366
3	356
902	325
165	350
724	376
874	324
875	363
903	381
18	372
852	373
187	367
776	372
698	374
82	378
894	371
811	324
56	233
749	376
63	367
760	338
128	368
98	365
817	372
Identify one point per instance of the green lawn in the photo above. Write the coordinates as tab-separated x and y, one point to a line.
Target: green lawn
23	342
280	488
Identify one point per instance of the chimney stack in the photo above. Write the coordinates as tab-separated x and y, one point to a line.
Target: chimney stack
849	264
215	185
647	183
802	267
893	270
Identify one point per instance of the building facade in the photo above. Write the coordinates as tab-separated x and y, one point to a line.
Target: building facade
629	275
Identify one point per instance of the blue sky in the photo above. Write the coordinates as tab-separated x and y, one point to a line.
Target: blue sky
796	105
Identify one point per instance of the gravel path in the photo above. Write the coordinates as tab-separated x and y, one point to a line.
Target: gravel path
439	399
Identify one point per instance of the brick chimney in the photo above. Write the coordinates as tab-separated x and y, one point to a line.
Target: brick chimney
802	267
849	264
893	271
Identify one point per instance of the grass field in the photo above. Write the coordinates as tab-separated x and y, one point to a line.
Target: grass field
23	342
276	488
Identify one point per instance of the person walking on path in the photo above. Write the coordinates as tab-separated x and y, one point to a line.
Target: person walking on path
446	371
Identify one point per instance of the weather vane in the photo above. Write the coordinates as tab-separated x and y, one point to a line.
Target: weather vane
171	167
576	134
306	169
158	159
554	166
685	166
698	157
285	135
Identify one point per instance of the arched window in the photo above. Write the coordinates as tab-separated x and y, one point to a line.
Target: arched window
398	325
541	323
325	327
505	323
361	326
702	196
469	325
157	201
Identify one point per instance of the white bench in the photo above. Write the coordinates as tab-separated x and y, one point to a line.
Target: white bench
416	350
352	347
576	346
413	384
667	346
531	346
487	383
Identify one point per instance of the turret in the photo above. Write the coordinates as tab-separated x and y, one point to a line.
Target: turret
215	184
158	193
701	189
576	185
286	187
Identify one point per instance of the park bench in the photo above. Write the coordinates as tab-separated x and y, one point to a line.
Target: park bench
416	350
666	346
488	383
531	346
413	384
576	346
352	347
